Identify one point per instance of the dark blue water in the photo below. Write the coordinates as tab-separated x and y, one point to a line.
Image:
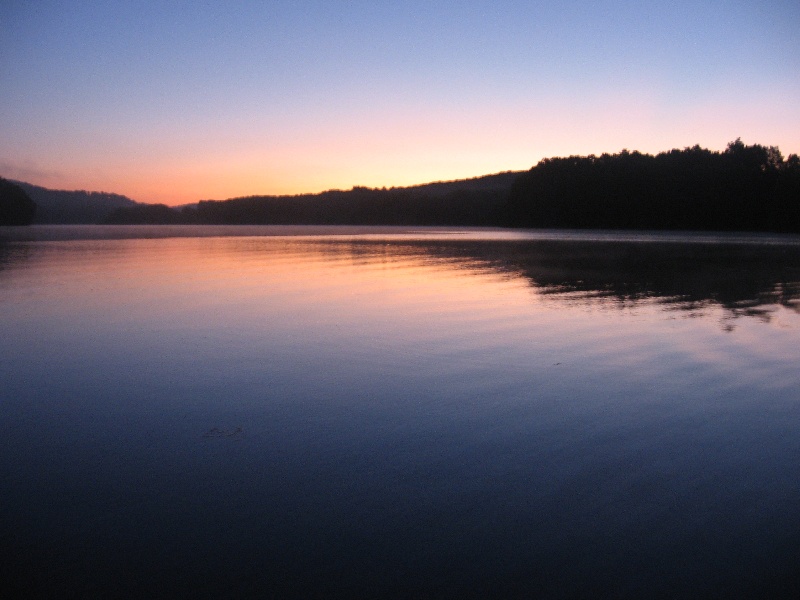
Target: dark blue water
389	413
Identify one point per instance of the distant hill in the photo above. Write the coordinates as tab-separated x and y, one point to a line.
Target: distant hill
475	201
69	207
498	182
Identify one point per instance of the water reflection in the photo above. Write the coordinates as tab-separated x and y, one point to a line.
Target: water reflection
399	416
746	276
747	280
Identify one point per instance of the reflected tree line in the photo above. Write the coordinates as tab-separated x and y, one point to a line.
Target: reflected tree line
743	188
744	279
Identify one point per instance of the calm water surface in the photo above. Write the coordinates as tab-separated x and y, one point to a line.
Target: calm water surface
345	412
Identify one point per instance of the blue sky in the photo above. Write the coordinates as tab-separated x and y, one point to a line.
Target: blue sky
176	101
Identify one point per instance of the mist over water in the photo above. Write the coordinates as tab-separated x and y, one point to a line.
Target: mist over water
399	412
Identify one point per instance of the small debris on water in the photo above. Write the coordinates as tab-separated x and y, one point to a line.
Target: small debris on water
216	432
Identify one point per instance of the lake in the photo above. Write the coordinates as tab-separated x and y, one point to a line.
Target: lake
398	412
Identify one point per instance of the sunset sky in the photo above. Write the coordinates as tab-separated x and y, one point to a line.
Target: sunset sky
177	101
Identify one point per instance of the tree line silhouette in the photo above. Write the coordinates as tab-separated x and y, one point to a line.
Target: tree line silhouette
476	201
359	206
743	188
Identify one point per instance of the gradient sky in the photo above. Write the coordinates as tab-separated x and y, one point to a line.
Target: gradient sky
176	101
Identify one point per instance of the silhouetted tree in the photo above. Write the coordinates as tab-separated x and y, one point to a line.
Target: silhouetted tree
16	207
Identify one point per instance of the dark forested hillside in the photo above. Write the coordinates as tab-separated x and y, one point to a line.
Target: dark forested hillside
61	206
477	201
16	207
744	188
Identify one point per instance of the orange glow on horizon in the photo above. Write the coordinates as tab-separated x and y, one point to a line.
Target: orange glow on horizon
388	149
